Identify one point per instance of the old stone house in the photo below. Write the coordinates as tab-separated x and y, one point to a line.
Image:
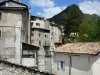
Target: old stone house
27	40
46	36
77	59
14	34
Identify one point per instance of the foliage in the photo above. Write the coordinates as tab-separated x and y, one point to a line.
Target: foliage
73	19
60	17
88	30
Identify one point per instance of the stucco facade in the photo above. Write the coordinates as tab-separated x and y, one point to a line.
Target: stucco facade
77	64
40	36
11	34
14	27
44	35
19	34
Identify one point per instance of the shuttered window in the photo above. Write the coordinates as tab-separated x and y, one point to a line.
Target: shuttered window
61	65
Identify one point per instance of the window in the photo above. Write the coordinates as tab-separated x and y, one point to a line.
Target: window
28	54
51	38
31	24
46	36
0	33
52	33
61	65
33	18
37	24
39	35
47	53
32	41
32	34
40	43
0	16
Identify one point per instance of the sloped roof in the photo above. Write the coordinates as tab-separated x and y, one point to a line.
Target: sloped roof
80	48
24	68
32	17
26	46
1	3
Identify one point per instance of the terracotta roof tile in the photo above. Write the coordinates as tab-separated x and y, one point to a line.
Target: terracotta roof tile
81	48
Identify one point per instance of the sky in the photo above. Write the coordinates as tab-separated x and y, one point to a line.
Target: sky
49	8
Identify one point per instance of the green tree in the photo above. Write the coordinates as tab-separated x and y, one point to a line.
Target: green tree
73	19
88	30
98	30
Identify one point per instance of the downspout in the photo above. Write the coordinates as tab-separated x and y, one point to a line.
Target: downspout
21	37
70	64
20	47
37	59
29	27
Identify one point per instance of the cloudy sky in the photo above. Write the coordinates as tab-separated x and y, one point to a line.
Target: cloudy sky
49	8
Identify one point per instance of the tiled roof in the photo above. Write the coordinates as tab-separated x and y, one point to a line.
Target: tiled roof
80	48
24	68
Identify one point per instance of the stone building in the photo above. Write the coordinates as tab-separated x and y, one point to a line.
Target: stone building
56	34
40	36
14	34
77	59
27	42
46	36
8	68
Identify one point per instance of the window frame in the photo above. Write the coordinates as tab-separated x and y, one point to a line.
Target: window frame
0	33
31	24
28	55
39	35
61	65
46	36
32	34
32	41
0	16
37	24
40	43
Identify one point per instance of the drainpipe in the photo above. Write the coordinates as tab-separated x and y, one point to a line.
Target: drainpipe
70	64
37	61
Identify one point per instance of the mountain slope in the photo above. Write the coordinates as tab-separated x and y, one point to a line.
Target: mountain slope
60	18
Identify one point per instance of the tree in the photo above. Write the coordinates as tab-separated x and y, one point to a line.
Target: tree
88	30
73	19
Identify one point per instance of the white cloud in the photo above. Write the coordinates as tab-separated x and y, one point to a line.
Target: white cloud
90	7
38	13
48	7
42	3
49	12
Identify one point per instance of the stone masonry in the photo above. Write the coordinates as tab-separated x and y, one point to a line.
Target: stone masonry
7	68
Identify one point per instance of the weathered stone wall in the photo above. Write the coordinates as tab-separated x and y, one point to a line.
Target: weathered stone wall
7	68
